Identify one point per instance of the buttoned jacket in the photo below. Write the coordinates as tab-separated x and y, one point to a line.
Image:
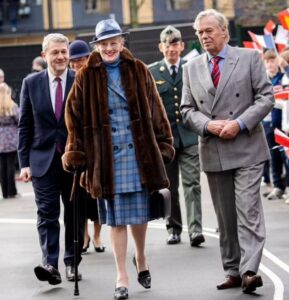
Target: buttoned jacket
244	92
170	91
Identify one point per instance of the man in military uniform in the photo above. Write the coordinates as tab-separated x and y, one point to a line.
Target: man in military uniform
168	77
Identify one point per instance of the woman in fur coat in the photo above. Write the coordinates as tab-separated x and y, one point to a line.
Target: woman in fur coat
120	137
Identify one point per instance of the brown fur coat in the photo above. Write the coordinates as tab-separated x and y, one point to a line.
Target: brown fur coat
89	143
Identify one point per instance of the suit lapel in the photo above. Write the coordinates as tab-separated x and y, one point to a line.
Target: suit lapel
69	82
204	75
44	87
165	72
180	73
229	65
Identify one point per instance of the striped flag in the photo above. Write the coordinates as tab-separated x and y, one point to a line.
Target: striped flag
281	138
252	45
284	18
269	27
281	93
266	41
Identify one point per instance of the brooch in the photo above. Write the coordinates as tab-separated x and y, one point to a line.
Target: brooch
162	68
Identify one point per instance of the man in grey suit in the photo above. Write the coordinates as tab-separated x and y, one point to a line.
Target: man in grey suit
226	94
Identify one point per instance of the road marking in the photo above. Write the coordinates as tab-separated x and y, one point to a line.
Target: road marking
27	194
211	232
278	284
276	260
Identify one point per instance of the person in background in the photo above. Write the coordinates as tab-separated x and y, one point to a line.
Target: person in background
2	76
9	115
283	60
38	64
120	137
42	138
168	76
271	121
78	55
226	95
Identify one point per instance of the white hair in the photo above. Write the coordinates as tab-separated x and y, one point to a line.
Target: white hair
220	18
54	37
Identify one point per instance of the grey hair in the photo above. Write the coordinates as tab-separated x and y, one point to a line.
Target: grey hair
54	37
220	18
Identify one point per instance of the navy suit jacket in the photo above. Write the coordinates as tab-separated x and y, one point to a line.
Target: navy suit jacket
39	131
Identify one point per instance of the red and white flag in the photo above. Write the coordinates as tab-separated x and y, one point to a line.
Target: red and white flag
252	45
281	138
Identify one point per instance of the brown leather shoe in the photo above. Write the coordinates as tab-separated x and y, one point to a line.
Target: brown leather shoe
250	283
230	282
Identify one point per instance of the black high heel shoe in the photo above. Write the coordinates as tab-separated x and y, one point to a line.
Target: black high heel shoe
144	277
99	249
84	248
121	293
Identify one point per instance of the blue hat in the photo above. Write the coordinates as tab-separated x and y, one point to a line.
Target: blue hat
106	29
78	48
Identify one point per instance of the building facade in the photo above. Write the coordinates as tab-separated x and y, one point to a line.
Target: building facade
23	23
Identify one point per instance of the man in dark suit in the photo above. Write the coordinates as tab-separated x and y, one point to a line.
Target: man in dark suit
168	76
42	138
226	94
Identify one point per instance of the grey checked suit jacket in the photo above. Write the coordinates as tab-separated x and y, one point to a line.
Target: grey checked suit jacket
244	92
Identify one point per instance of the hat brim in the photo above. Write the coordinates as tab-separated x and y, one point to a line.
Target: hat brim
108	36
79	55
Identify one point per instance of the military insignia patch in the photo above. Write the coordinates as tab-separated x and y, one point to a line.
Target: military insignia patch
159	82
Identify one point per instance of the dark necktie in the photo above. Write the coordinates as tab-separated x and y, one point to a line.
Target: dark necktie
174	73
216	71
58	99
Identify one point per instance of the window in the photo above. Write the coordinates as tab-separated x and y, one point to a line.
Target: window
93	6
178	4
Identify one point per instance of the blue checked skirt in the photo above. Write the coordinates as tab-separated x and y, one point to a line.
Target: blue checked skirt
125	209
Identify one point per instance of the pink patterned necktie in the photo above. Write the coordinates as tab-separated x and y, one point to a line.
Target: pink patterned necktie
216	71
58	99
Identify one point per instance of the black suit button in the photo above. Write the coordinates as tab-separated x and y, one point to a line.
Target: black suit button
230	112
201	101
110	111
213	116
130	146
128	127
237	95
113	129
115	148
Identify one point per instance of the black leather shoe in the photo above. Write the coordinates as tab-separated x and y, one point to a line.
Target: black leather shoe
144	277
121	293
196	239
250	282
173	239
70	274
48	273
230	282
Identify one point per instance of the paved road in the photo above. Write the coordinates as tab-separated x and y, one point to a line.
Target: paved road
178	272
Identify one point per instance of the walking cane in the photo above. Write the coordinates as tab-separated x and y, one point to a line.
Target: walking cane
74	198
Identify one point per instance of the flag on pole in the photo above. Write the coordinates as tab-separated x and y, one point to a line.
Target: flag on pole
252	45
269	27
284	18
282	36
266	41
281	138
281	93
